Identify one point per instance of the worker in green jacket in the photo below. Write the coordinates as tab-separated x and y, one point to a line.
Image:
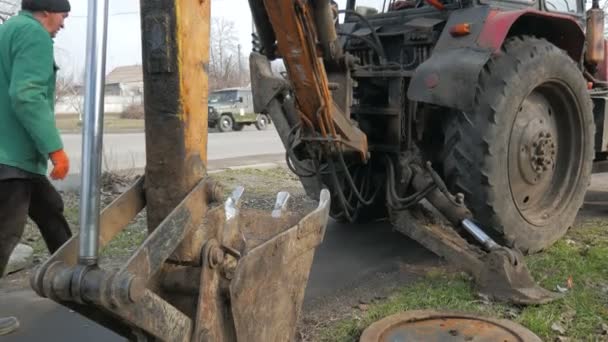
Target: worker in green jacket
28	135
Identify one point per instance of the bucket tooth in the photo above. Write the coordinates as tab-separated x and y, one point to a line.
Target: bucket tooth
233	239
233	203
280	206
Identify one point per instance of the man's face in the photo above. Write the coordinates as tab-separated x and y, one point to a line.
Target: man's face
53	22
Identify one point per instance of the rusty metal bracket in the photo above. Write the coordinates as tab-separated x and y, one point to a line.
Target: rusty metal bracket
124	293
213	322
160	244
113	220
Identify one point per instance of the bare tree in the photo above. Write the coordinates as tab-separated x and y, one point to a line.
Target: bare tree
68	92
64	88
8	8
227	67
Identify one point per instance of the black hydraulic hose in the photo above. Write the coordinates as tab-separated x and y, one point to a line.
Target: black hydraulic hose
399	202
369	42
374	33
350	179
345	205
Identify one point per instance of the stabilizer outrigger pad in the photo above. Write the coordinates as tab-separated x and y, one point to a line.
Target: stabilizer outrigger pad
500	272
508	279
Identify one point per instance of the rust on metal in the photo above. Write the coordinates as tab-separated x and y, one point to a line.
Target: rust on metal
181	279
270	280
192	22
157	317
175	89
213	321
114	218
294	26
495	273
156	249
437	326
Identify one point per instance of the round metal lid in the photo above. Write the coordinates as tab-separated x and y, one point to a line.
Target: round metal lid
448	327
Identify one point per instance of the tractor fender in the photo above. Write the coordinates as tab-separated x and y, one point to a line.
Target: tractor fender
449	77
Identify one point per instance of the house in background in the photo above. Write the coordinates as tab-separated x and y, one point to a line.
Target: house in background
124	87
126	81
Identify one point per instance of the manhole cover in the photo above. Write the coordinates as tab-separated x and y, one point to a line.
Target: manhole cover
448	327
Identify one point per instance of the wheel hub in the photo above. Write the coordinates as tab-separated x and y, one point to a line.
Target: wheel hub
537	152
542	157
543	153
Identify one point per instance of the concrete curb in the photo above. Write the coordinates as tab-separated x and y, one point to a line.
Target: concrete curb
261	166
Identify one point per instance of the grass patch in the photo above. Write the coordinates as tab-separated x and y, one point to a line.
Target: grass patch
261	188
112	123
127	241
582	255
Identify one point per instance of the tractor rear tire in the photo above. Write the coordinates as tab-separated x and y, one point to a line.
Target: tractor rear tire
523	156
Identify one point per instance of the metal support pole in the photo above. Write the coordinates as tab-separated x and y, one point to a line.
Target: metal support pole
92	132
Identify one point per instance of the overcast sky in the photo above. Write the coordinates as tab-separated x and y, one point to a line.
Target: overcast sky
124	42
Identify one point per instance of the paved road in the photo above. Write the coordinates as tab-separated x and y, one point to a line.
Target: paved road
349	255
128	150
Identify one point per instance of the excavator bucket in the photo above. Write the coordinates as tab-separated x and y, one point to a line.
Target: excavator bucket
253	267
269	283
266	266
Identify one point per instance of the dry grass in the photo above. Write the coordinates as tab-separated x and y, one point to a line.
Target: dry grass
113	123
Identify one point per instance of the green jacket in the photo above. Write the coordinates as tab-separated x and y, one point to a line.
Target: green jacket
27	95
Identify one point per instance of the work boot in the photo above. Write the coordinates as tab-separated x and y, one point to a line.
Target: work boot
8	325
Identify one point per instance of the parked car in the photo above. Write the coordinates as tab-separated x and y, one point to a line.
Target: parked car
231	109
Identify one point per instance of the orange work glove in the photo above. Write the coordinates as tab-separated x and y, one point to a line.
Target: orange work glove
61	164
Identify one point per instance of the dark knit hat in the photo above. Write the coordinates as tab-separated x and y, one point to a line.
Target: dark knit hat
46	5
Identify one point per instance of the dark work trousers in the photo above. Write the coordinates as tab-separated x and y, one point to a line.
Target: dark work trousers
38	199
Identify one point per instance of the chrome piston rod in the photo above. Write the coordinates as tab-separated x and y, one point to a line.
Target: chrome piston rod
92	132
479	235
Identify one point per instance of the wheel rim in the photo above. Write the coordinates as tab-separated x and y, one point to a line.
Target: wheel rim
545	152
262	122
226	123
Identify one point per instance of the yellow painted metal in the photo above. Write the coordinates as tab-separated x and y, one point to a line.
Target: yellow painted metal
294	27
193	57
